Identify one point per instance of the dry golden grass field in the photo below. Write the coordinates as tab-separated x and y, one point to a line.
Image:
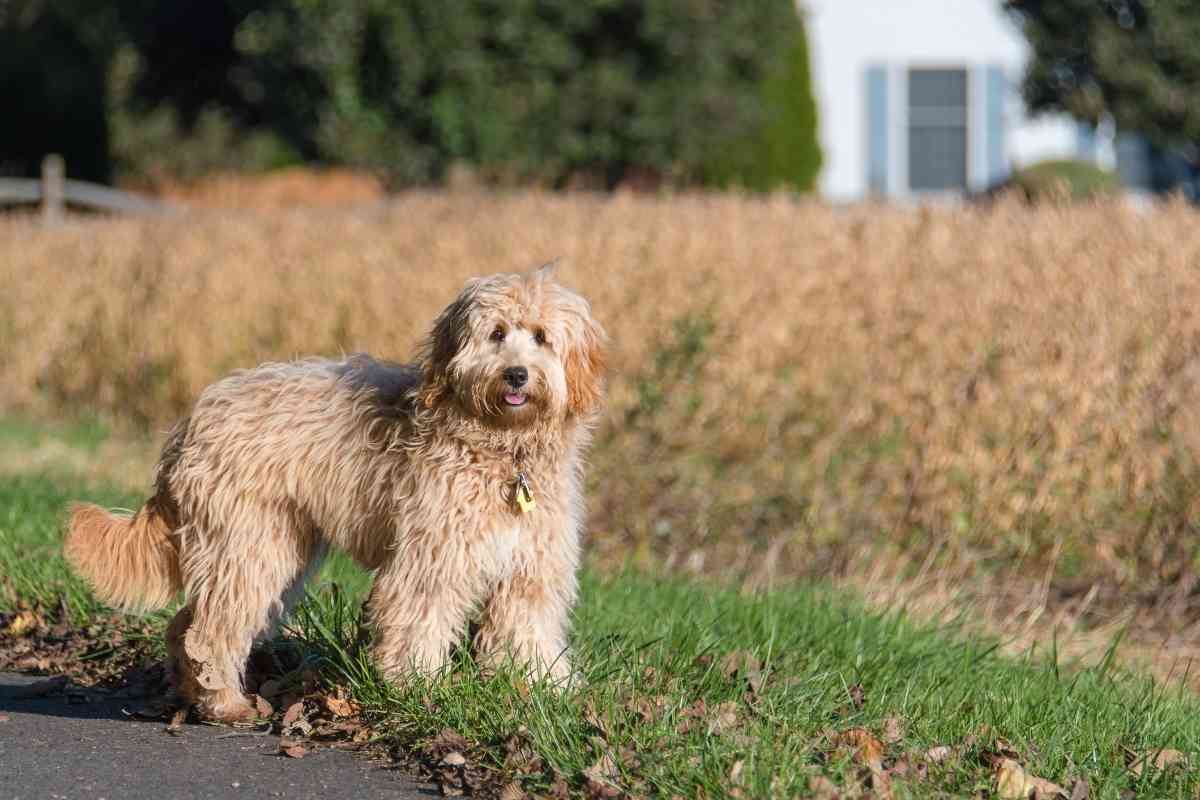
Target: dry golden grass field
999	405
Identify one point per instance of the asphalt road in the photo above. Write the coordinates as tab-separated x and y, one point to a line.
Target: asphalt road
80	747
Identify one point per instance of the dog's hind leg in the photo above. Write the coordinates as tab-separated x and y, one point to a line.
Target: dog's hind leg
295	592
235	582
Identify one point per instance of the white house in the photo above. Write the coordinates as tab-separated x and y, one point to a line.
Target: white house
921	98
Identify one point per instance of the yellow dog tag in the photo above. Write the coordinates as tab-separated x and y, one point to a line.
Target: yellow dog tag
524	494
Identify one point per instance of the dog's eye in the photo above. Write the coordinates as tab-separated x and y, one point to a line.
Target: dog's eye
498	334
539	336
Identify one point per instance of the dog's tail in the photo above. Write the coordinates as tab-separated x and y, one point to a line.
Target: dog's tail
132	562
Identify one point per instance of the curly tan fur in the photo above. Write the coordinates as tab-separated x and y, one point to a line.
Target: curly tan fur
130	560
412	469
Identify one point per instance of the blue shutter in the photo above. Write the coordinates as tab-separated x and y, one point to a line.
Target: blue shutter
1134	162
997	92
1085	142
877	130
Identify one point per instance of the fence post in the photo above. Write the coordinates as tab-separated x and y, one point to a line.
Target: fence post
53	190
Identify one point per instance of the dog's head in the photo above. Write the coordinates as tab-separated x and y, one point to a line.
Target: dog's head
513	349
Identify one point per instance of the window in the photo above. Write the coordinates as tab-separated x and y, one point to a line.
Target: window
934	131
937	129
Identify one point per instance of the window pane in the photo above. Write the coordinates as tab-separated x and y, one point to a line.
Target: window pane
937	129
937	87
937	158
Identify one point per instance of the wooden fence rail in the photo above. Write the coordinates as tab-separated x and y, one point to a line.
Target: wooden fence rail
53	191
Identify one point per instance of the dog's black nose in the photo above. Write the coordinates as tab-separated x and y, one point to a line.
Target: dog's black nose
516	376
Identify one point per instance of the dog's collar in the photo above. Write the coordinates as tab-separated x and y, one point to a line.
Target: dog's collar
525	500
523	491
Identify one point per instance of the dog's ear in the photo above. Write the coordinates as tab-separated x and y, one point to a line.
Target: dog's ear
445	339
546	271
585	363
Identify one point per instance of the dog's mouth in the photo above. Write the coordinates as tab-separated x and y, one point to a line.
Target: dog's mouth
515	399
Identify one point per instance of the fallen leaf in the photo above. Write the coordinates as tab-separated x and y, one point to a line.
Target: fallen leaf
593	718
294	713
513	791
938	754
177	719
735	772
23	622
724	718
984	733
293	750
1081	790
1158	759
263	708
1014	783
338	706
348	726
1004	749
858	696
333	730
692	714
746	665
559	790
520	756
446	741
1011	781
893	730
822	788
604	770
881	783
648	709
453	759
867	749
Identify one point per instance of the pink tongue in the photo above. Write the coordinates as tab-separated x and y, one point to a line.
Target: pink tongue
514	399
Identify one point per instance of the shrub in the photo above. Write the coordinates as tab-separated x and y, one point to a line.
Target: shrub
1063	180
537	90
784	151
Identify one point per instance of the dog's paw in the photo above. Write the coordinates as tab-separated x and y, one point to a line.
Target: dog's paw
229	710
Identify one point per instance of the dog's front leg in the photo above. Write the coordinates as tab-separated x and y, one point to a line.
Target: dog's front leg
527	615
417	617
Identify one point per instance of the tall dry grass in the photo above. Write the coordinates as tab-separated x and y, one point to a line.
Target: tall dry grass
1009	393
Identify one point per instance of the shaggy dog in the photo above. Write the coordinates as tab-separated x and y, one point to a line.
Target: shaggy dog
456	479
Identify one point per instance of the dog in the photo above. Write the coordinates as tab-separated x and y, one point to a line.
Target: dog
456	479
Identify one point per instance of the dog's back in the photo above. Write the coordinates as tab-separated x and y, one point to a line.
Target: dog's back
247	424
390	384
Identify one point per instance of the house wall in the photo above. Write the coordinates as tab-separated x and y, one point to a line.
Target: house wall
846	37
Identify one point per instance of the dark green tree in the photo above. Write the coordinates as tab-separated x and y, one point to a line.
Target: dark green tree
533	89
53	65
522	90
784	150
1136	60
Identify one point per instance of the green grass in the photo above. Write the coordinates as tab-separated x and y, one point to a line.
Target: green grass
32	513
660	698
645	642
83	434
